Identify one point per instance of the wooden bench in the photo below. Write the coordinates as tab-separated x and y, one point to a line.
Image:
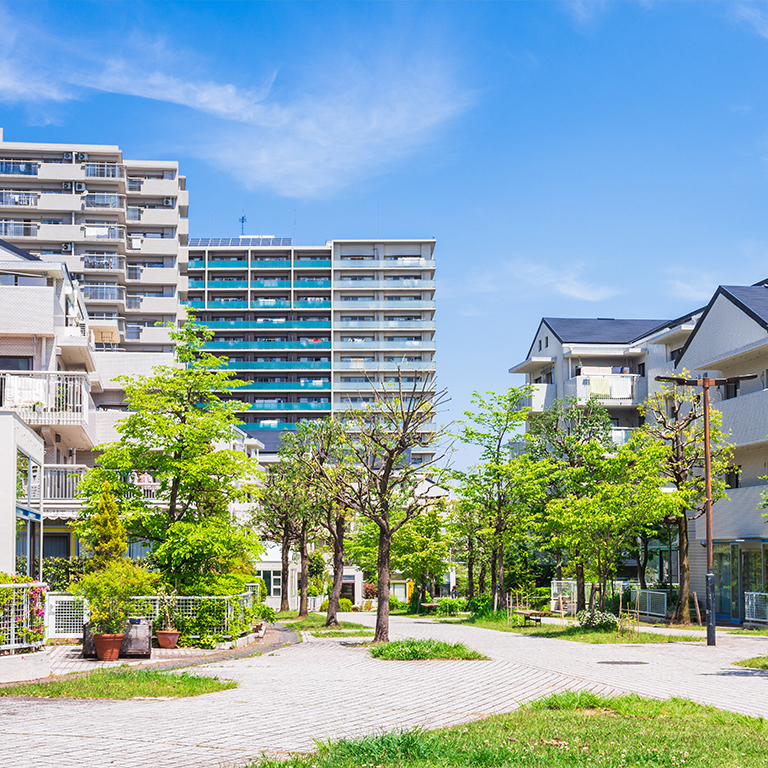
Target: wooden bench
430	606
532	616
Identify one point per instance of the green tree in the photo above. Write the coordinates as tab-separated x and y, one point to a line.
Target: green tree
104	533
173	447
612	498
675	416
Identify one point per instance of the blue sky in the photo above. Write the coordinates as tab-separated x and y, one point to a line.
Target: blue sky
571	158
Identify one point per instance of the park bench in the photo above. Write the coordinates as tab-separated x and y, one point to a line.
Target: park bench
431	607
532	616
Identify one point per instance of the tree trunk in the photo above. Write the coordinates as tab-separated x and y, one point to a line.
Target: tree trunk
470	570
682	614
338	571
286	550
304	584
382	588
481	584
500	578
581	599
642	562
559	566
494	574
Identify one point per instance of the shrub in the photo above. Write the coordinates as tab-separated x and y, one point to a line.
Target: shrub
263	612
395	603
35	634
345	605
597	620
414	602
324	606
262	587
60	572
449	606
221	585
369	591
415	650
480	605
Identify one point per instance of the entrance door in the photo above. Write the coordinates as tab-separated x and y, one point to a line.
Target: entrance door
722	568
751	573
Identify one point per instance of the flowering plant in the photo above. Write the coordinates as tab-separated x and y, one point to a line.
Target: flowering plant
25	608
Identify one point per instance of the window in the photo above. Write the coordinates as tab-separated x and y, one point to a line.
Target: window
733	477
730	390
641	369
674	355
539	345
546	341
273	580
8	363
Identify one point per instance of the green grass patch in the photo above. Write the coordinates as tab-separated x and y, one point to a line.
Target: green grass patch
568	730
316	621
344	633
757	662
575	633
747	632
416	650
122	684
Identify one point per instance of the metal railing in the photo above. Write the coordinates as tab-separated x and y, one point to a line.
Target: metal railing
105	201
650	602
104	292
66	614
22	616
133	214
17	228
103	171
8	197
60	481
101	261
609	386
46	397
103	231
19	167
756	606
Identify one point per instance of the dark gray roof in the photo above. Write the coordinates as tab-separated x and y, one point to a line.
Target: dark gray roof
601	330
753	298
18	251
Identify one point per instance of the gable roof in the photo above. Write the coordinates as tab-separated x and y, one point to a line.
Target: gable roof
4	246
600	330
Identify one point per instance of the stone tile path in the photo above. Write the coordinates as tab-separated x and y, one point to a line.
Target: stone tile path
322	689
66	659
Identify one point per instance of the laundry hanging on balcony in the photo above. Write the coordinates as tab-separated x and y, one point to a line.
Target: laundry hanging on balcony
621	388
599	386
23	392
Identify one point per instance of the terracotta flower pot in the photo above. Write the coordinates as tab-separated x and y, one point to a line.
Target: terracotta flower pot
167	638
107	646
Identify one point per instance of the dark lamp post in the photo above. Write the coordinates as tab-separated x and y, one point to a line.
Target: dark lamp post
705	383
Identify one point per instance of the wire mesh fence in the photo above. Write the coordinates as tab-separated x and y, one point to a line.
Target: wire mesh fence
756	606
22	614
649	602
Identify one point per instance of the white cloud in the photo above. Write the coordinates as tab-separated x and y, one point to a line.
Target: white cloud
754	17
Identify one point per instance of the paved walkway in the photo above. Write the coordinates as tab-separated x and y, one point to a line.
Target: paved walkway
323	689
66	659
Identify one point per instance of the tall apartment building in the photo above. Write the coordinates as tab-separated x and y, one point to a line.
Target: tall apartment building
313	329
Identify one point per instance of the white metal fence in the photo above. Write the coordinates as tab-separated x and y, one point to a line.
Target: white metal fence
66	613
44	397
650	602
21	616
756	606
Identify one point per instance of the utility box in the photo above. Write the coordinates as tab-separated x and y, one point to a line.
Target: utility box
137	640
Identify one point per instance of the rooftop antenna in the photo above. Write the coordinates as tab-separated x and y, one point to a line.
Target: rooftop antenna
242	221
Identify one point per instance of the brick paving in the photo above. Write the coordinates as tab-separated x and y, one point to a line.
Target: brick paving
323	688
66	659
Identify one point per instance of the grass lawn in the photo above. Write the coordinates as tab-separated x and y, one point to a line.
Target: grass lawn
316	622
575	633
122	684
748	631
344	633
413	650
757	662
567	730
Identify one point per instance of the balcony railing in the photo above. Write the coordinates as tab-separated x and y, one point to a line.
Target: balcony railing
275	345
133	214
620	388
103	232
8	197
61	481
45	397
103	171
18	168
277	406
104	292
104	201
304	385
17	229
101	261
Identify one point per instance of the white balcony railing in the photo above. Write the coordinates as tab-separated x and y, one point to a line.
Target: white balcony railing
103	232
42	397
17	228
61	481
620	388
103	171
9	197
104	201
18	167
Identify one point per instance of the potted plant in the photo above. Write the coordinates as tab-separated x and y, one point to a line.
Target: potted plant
108	618
167	615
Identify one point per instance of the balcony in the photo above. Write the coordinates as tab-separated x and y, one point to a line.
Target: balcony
311	263
745	417
23	199
104	202
384	324
268	304
387	365
224	284
405	306
309	345
9	228
287	365
103	232
353	345
18	168
60	400
60	481
287	385
385	284
299	284
621	435
102	261
111	293
618	389
288	406
324	304
230	264
103	171
269	264
542	396
404	263
265	284
304	325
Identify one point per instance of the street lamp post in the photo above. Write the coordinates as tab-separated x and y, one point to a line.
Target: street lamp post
705	383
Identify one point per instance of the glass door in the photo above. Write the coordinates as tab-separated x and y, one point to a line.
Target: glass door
722	568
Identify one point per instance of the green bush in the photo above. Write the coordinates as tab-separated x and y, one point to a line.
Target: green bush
221	585
345	605
60	572
449	606
597	620
411	649
395	603
480	605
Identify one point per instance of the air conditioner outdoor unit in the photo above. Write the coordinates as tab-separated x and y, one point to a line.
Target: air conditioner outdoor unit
68	157
66	185
82	157
67	247
168	202
80	186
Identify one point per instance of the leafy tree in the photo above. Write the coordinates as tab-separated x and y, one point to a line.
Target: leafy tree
565	434
104	533
612	498
675	416
376	478
173	436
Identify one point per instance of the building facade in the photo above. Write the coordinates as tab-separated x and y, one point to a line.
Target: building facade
312	330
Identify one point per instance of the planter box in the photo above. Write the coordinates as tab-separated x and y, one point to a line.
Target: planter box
24	666
137	641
